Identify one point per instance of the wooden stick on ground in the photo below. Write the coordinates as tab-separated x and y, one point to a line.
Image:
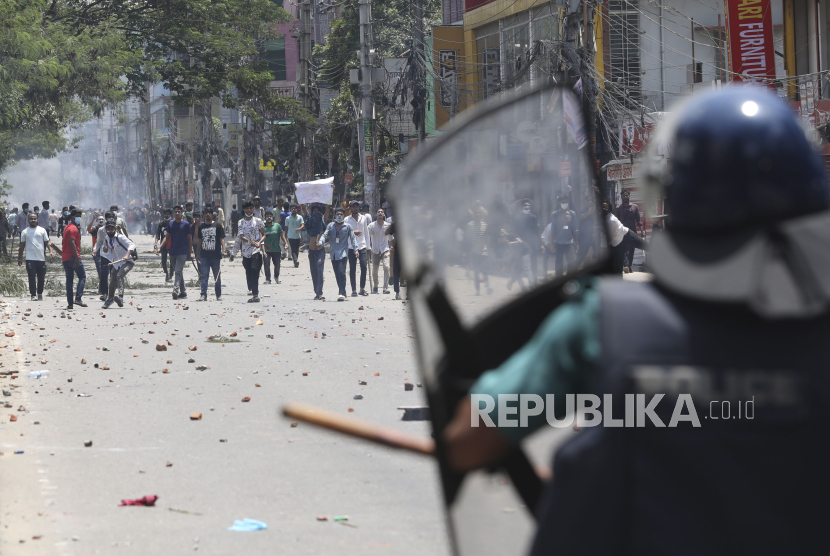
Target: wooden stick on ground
357	428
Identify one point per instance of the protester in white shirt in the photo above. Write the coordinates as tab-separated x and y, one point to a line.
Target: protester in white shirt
118	247
35	240
379	246
360	224
619	237
43	218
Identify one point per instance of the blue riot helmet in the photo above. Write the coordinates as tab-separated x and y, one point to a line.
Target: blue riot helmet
747	197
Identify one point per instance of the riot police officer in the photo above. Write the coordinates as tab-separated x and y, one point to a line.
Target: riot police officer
738	312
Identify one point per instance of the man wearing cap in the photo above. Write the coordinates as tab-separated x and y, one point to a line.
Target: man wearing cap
259	210
119	247
357	252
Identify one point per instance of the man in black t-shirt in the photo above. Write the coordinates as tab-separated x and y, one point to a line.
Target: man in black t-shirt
163	242
210	246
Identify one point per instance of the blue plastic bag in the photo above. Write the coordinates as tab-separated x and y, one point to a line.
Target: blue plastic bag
247	524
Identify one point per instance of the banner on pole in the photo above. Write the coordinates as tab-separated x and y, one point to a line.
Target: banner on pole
317	191
749	39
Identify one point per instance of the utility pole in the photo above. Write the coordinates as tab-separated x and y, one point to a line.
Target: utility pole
305	88
419	56
368	163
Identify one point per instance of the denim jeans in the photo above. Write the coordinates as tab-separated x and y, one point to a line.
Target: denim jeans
37	276
354	255
339	267
214	265
316	260
71	271
295	248
177	263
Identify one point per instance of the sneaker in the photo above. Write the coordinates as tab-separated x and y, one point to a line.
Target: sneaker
168	279
40	297
202	297
218	298
354	294
254	299
279	281
268	281
102	297
80	303
341	298
316	298
175	295
322	298
69	307
363	292
397	296
385	292
118	301
34	298
182	296
107	304
375	290
296	265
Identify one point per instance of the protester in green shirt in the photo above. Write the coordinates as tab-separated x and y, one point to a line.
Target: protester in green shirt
273	233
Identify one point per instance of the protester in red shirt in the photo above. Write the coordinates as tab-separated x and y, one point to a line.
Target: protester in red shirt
71	256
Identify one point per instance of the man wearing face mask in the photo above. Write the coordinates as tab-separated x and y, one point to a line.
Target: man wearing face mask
209	249
71	257
563	233
340	235
119	247
162	243
96	227
36	241
250	238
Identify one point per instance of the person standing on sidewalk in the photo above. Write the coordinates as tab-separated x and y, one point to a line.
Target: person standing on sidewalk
209	249
250	238
314	226
340	235
360	225
35	240
162	243
274	236
181	246
379	246
71	258
119	248
293	226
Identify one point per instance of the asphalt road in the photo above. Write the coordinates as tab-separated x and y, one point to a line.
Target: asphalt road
242	459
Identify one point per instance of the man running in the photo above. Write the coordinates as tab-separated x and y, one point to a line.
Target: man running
250	238
357	251
119	248
274	236
181	247
209	250
35	240
162	243
71	258
340	235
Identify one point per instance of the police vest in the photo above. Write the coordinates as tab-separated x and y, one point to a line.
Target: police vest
752	479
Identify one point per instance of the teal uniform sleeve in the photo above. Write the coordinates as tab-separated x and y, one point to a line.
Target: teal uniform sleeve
561	358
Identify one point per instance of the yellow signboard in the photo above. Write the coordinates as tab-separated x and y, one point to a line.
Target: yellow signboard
267	164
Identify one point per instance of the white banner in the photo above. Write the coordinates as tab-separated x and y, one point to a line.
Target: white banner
317	191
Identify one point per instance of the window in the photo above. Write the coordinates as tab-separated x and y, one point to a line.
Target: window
516	42
624	70
275	56
487	44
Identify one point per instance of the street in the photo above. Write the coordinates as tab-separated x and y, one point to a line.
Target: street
110	386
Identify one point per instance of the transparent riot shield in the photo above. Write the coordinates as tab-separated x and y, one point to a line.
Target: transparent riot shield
493	221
